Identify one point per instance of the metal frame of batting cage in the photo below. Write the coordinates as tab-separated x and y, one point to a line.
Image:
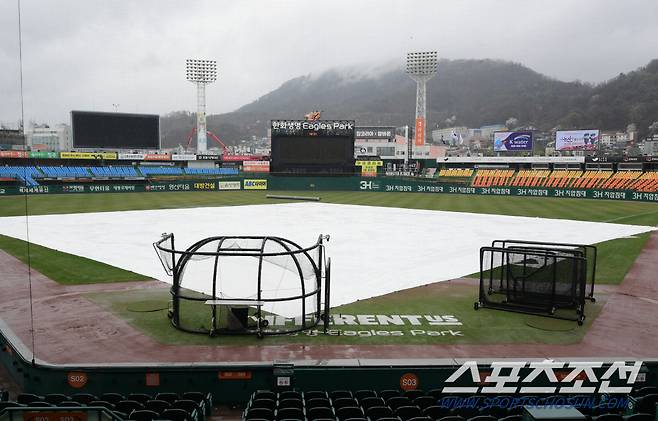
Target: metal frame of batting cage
179	260
589	251
547	309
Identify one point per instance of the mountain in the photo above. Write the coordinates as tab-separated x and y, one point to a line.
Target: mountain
464	92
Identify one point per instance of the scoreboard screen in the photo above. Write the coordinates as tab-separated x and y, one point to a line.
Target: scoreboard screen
115	130
312	146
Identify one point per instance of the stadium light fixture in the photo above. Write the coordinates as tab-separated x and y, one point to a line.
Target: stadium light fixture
421	67
201	73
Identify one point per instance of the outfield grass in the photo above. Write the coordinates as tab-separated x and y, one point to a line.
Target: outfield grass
65	268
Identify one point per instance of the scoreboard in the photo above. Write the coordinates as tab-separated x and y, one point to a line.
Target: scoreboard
312	147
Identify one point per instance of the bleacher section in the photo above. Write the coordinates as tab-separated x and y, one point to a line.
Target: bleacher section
647	182
417	405
123	171
188	406
563	178
591	179
530	178
66	172
25	175
456	172
211	171
147	171
621	180
489	178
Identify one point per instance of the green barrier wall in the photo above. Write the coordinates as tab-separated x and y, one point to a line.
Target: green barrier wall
379	184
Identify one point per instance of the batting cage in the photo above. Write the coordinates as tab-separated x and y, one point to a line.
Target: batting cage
534	278
247	285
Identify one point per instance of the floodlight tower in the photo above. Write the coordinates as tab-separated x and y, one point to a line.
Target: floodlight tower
421	67
201	72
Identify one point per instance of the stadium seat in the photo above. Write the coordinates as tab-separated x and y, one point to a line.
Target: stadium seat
290	403
104	404
203	399
436	412
262	413
343	402
347	412
157	405
71	404
387	394
320	412
337	394
190	406
405	413
413	394
318	403
452	418
420	419
267	394
356	419
263	403
495	411
359	395
139	397
608	417
167	397
378	412
397	401
639	417
112	398
370	402
55	398
144	415
28	398
290	394
518	417
315	394
424	401
483	418
466	412
643	391
83	398
41	404
647	404
175	415
127	406
290	414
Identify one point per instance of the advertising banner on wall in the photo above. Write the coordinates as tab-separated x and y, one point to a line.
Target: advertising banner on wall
48	155
88	155
369	168
207	157
157	157
512	141
420	131
255	184
132	156
572	140
13	154
375	132
229	185
183	157
256	166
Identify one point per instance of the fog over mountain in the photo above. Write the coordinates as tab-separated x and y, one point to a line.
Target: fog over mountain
474	92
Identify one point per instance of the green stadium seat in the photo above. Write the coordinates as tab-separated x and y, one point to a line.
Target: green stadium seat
55	398
452	418
139	397
483	418
320	412
359	395
387	394
436	412
104	404
167	397
337	394
643	391
290	403
127	406
317	403
396	402
263	403
28	398
343	403
406	413
290	394
290	413
190	406
10	404
144	415
71	404
83	398
367	403
349	412
413	394
176	415
157	405
424	401
315	394
511	418
378	412
262	413
111	397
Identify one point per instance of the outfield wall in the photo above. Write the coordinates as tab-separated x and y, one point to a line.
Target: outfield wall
378	184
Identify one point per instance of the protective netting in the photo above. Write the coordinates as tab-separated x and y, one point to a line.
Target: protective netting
533	278
261	278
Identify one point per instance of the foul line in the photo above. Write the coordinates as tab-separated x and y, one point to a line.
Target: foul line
631	216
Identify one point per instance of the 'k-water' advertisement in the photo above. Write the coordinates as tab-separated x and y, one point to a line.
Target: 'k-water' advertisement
512	141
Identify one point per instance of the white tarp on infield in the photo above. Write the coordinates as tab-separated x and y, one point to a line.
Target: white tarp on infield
374	250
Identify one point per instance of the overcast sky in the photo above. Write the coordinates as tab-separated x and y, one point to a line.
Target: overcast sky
90	54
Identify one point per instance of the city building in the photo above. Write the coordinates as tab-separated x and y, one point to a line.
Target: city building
46	138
